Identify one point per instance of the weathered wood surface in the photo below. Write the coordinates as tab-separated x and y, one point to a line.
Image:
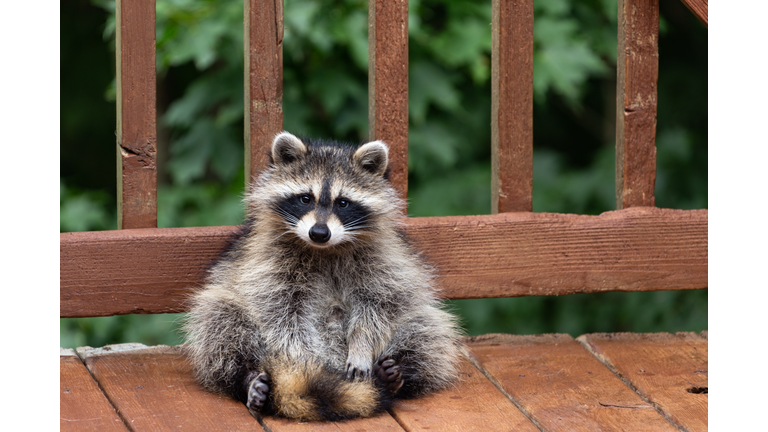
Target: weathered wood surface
509	254
638	72
560	386
263	40
136	114
82	405
388	84
669	371
380	423
512	106
549	382
473	405
154	389
700	8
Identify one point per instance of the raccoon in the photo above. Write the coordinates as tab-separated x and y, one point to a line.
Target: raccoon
321	310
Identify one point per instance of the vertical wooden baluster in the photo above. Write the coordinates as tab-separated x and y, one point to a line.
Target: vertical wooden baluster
263	40
512	106
388	84
136	114
638	73
700	8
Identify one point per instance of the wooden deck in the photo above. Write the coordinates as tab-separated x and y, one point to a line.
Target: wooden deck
620	381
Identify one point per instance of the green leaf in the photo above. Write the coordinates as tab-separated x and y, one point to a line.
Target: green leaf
430	85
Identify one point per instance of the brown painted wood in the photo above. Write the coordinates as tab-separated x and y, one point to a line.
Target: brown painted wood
669	371
388	84
509	254
136	114
519	254
560	386
381	422
154	389
700	8
638	72
135	271
474	404
512	106
82	405
263	39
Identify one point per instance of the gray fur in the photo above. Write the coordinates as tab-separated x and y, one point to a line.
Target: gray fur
275	293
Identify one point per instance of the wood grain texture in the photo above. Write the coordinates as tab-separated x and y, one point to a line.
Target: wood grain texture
700	8
136	114
388	84
638	72
512	106
474	404
560	386
669	371
504	255
154	389
519	254
135	271
263	40
380	423
82	405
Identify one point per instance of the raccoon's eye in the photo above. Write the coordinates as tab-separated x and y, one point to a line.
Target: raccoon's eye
305	199
343	203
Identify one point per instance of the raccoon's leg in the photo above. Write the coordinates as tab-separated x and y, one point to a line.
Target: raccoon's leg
425	347
225	344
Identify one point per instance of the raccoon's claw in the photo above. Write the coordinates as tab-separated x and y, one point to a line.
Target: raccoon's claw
387	373
357	372
258	390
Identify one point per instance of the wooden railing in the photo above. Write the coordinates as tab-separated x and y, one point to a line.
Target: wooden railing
144	269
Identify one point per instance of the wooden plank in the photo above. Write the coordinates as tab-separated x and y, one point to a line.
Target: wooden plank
474	404
512	106
381	422
669	371
136	114
154	389
638	72
504	255
388	84
560	386
700	8
82	405
263	45
135	271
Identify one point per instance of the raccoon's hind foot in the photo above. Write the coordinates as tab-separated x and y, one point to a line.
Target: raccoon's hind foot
258	390
387	374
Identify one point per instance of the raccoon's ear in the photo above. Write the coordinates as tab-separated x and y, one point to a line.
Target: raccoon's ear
286	148
372	157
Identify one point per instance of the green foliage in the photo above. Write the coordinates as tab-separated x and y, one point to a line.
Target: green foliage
84	210
325	93
586	313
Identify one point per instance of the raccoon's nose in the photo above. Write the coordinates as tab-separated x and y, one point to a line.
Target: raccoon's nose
319	233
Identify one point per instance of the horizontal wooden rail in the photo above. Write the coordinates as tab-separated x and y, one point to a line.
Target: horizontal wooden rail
504	255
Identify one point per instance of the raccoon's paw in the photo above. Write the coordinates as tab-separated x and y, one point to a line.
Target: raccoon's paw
387	374
358	369
258	390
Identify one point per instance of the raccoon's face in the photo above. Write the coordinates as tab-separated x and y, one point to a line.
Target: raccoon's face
327	195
